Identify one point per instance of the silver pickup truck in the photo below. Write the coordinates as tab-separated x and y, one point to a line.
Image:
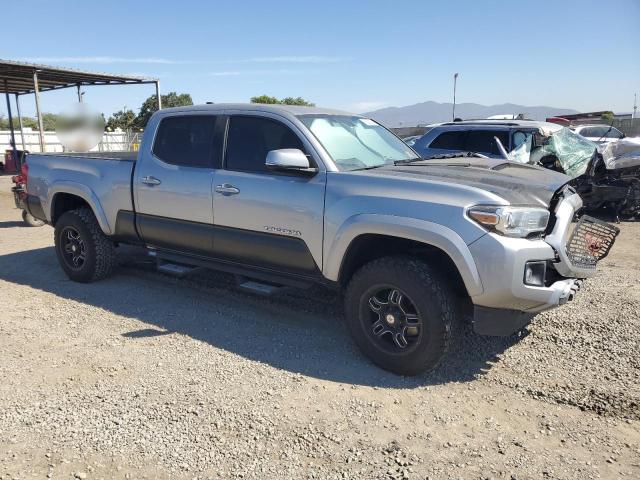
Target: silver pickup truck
291	196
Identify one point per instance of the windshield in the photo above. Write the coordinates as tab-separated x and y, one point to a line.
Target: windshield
355	143
572	151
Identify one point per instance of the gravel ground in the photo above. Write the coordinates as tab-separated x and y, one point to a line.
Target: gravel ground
147	376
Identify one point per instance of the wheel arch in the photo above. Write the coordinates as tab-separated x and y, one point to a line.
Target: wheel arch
71	196
366	237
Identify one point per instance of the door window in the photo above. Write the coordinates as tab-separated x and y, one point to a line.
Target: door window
452	140
483	141
249	139
189	140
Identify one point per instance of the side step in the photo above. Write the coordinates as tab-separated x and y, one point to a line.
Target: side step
174	269
260	288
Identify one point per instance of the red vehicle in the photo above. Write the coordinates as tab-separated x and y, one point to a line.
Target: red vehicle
19	190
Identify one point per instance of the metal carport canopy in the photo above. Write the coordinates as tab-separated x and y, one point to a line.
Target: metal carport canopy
19	78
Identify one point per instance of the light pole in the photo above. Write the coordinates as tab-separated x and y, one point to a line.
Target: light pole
455	79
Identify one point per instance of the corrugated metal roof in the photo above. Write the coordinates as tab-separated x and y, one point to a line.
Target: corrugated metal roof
19	77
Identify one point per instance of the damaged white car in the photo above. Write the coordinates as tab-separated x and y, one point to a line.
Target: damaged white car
604	180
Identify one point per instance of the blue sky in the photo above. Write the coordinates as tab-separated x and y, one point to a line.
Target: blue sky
352	55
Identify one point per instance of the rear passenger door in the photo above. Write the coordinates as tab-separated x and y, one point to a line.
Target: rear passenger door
484	142
173	183
448	141
267	219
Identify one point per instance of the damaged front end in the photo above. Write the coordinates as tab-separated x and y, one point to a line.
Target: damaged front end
608	181
613	180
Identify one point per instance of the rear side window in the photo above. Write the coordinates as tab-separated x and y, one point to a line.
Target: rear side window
483	141
249	139
452	140
614	133
590	132
189	140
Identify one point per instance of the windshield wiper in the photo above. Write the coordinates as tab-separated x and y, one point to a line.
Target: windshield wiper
368	168
442	156
407	161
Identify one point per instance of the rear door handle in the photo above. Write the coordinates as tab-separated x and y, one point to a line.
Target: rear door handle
151	180
227	189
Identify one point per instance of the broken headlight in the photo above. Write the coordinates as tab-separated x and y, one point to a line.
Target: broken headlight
511	221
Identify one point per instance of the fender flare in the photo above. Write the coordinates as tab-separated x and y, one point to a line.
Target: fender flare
422	231
84	192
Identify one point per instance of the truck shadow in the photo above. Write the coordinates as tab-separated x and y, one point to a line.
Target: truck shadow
301	332
13	224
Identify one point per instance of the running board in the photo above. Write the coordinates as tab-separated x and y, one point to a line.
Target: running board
174	269
257	287
241	272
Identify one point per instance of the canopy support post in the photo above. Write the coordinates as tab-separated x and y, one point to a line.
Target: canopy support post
158	95
36	92
20	122
13	137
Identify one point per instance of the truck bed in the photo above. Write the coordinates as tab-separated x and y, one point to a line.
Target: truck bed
101	179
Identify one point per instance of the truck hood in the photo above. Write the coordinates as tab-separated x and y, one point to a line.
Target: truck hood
519	184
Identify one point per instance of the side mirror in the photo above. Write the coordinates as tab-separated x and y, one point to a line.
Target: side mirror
289	160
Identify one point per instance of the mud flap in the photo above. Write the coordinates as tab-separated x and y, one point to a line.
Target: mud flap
499	322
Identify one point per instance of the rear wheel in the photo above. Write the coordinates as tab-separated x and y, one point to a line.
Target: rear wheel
400	314
31	220
84	251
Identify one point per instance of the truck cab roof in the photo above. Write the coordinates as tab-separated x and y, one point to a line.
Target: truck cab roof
285	110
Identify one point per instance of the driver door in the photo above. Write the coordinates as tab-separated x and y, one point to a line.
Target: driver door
267	219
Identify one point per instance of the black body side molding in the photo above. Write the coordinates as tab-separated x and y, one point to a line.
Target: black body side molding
221	248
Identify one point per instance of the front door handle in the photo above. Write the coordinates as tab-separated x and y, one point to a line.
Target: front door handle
227	189
151	180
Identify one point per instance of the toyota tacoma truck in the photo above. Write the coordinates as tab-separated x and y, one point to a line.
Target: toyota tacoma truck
286	196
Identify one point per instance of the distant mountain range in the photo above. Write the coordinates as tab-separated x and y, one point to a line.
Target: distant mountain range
434	112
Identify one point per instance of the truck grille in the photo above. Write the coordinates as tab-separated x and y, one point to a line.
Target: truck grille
591	241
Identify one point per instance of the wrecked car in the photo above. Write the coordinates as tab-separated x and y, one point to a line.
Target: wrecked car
603	184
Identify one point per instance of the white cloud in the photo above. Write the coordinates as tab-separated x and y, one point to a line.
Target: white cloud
104	60
296	59
280	71
367	106
224	74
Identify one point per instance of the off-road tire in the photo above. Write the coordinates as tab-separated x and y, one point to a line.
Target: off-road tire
434	302
100	251
30	220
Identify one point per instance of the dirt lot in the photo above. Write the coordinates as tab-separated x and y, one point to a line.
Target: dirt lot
146	376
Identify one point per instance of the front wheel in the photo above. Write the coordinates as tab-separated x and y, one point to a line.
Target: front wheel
400	313
84	252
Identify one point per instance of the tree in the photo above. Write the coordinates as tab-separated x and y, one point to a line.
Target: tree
122	119
49	121
265	99
297	101
27	122
607	117
150	105
285	101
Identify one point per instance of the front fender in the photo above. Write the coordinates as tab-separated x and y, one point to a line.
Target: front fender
422	231
82	191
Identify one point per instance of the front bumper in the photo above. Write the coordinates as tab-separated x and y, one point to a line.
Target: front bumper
501	264
507	303
503	322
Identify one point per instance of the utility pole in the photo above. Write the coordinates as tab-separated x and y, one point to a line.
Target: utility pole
453	113
635	106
